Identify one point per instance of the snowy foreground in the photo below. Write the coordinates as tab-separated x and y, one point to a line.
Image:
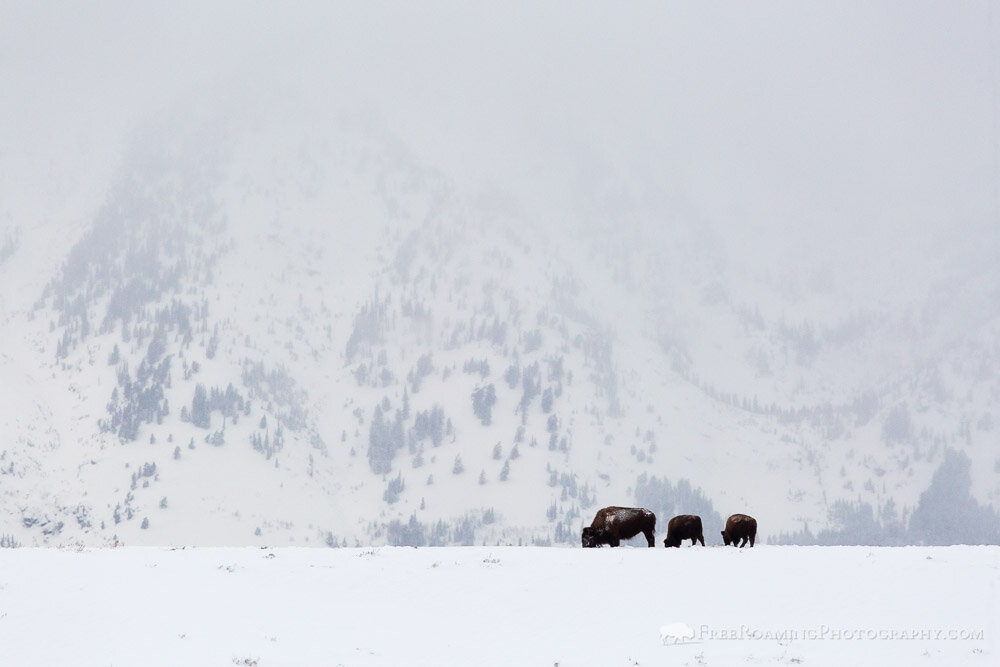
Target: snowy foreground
500	606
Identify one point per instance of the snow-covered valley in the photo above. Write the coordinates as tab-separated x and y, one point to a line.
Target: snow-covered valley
500	606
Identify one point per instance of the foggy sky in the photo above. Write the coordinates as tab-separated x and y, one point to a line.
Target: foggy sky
793	126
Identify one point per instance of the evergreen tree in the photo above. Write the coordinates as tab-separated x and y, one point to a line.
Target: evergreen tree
213	343
411	534
547	400
483	400
397	436
392	491
513	375
947	513
380	448
200	413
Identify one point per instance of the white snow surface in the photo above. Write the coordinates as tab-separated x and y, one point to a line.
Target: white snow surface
500	606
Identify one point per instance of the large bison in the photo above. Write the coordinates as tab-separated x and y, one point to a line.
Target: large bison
684	527
740	527
611	525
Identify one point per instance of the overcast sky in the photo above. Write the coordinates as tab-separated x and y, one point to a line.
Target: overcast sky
808	122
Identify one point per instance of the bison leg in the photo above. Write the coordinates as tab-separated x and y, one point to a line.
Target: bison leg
743	542
650	538
752	537
614	542
701	538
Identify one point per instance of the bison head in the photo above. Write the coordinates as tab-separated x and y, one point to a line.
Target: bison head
592	537
725	538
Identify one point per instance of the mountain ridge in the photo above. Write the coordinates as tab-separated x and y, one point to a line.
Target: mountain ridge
273	336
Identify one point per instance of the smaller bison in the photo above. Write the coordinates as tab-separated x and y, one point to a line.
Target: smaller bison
740	527
611	525
684	527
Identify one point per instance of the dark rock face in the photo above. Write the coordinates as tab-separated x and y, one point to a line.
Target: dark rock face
740	527
611	525
684	527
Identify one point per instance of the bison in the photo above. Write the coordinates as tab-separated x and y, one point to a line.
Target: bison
684	527
740	527
611	525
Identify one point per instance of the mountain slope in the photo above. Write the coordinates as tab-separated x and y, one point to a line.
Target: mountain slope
287	329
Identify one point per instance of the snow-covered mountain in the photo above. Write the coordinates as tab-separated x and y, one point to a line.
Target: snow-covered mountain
280	323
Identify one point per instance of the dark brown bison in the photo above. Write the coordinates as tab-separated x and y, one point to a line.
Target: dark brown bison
740	527
611	525
684	527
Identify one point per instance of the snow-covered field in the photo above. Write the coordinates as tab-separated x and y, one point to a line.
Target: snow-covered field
500	606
